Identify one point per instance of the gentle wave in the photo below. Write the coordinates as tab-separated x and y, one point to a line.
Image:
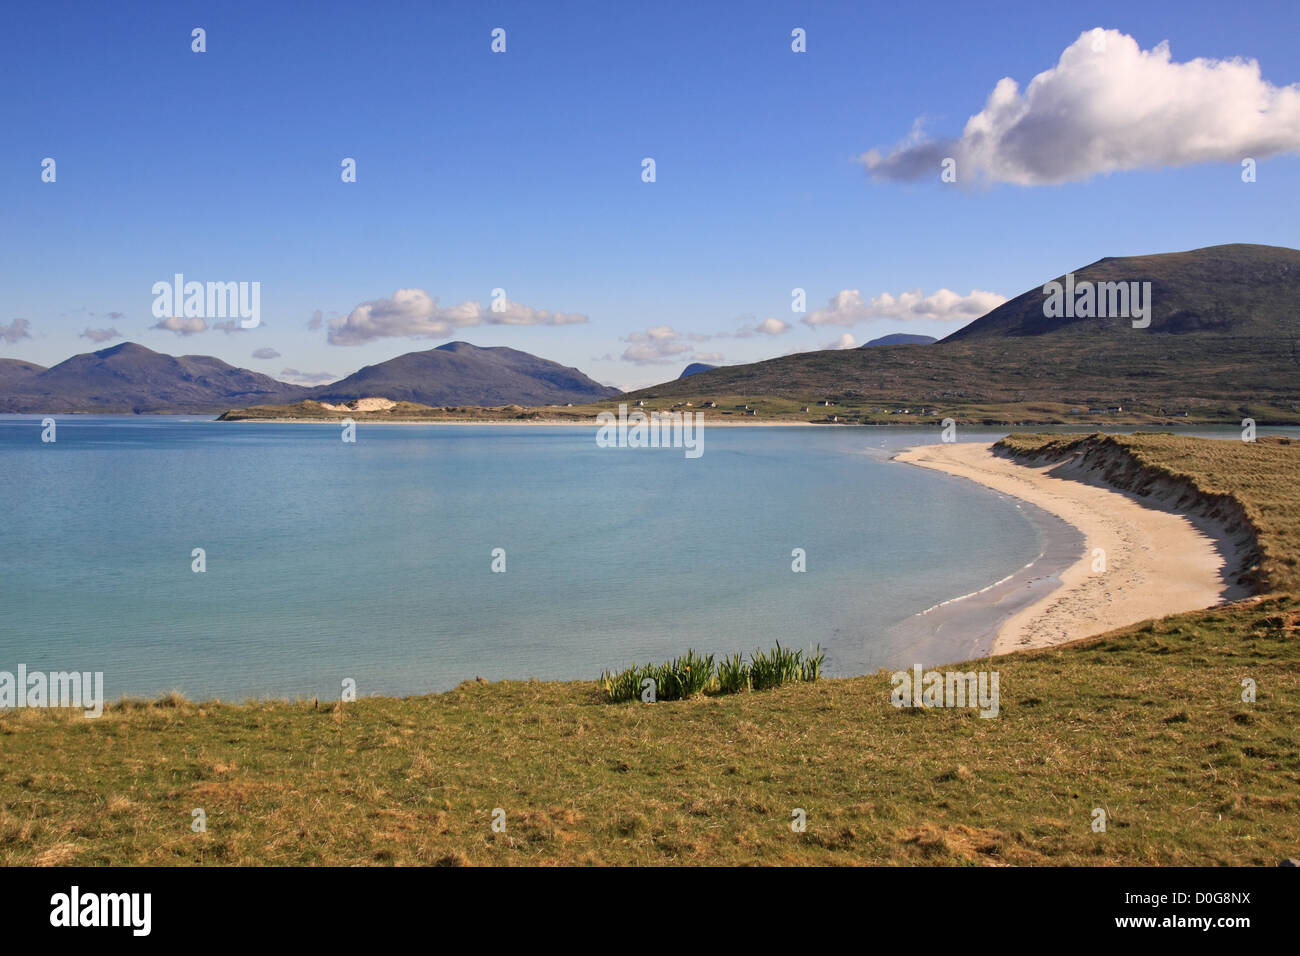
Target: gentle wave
982	590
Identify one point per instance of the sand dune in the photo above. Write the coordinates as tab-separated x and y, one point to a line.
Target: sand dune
1157	562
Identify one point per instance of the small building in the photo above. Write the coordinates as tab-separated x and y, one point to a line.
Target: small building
640	403
708	405
1115	409
750	411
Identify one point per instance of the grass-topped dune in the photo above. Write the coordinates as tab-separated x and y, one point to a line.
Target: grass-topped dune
1252	487
1146	723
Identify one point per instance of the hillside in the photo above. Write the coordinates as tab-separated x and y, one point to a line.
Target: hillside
15	373
1223	342
1245	290
132	378
899	338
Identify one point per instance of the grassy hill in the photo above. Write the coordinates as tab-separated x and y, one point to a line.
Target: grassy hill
1241	289
1224	343
1219	378
1146	723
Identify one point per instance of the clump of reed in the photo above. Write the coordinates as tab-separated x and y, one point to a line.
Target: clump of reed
677	679
693	674
769	669
733	675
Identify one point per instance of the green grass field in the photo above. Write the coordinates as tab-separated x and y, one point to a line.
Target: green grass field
1146	723
847	410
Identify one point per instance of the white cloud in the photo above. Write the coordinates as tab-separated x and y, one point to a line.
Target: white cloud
15	330
295	377
848	307
845	341
664	345
266	354
766	327
413	313
100	335
174	323
1109	105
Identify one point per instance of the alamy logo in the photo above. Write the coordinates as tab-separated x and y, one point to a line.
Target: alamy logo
657	430
56	689
953	689
74	908
213	300
1101	300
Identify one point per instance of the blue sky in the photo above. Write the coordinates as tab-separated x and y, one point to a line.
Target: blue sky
523	171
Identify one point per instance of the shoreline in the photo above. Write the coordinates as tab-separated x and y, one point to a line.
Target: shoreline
1157	561
584	423
966	627
713	421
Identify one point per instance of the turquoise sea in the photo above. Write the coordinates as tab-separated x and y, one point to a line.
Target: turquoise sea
373	561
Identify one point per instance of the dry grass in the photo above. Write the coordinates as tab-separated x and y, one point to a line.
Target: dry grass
1147	724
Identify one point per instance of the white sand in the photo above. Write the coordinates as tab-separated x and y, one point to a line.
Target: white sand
1157	562
362	405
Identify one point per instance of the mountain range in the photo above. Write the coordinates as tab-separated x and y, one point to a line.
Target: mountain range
1222	331
131	378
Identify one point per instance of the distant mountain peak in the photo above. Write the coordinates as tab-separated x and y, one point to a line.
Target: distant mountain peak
124	348
695	368
461	373
1237	289
900	338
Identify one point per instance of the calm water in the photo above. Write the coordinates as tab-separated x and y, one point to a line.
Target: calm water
372	560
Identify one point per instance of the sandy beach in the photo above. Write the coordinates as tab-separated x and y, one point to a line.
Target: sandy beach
1157	562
